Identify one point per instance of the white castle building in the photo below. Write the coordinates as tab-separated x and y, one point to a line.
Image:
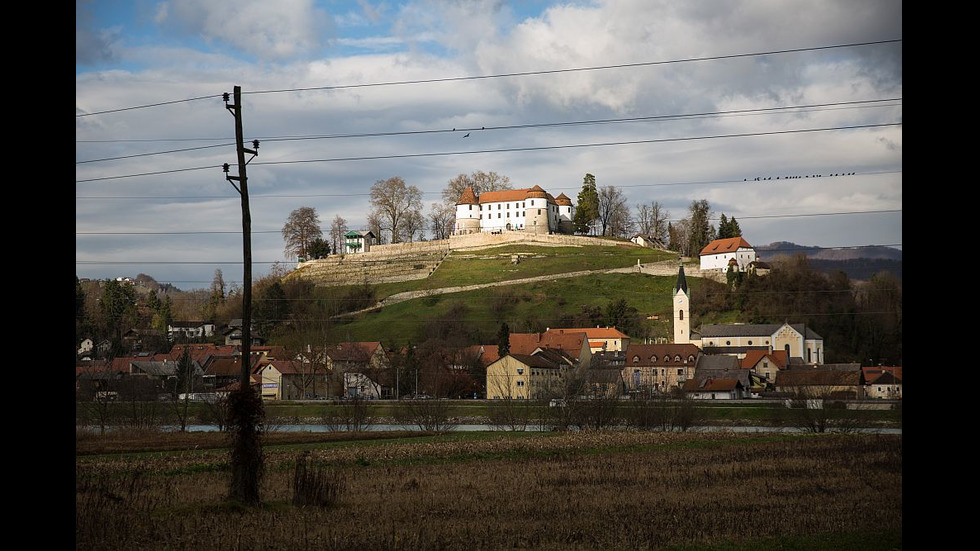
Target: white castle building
532	209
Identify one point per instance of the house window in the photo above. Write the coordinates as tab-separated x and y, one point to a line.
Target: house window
728	343
680	372
520	370
498	215
498	206
636	359
520	383
653	359
750	343
471	207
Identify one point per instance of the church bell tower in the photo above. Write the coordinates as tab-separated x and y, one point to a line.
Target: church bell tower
682	309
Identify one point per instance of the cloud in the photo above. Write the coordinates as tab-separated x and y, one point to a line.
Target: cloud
280	30
92	45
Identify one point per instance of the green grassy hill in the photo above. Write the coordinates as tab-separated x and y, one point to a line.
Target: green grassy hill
525	306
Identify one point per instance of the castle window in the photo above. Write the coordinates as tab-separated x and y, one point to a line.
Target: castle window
539	212
681	312
750	343
728	343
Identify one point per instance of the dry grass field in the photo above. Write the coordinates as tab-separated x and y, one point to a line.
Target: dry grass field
486	491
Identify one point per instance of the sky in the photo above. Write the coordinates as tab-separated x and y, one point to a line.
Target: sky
786	116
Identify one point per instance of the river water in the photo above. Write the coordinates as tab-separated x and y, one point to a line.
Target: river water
530	428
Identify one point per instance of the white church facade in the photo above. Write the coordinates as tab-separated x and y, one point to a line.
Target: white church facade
532	210
795	339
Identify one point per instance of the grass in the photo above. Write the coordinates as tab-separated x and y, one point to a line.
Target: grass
468	491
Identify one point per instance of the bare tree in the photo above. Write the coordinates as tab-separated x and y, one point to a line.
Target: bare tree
480	182
651	219
374	225
441	217
338	228
612	208
414	225
306	340
393	201
302	227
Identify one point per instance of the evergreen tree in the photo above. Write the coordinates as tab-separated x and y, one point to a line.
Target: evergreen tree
587	208
700	230
503	340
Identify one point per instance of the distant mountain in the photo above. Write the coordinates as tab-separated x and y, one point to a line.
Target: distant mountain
859	263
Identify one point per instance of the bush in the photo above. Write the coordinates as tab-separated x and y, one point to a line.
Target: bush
312	485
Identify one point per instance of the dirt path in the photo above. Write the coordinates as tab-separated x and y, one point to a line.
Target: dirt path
663	268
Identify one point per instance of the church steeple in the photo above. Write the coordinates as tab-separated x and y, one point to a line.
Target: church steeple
681	281
682	308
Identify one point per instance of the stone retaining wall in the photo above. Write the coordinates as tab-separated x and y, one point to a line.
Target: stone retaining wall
417	260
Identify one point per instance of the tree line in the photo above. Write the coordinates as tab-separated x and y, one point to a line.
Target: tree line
397	215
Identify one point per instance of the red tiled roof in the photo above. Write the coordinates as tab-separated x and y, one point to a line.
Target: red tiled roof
513	195
594	332
871	374
468	197
721	246
754	356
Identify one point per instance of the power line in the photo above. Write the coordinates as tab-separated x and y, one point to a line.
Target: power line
503	75
649	118
509	150
437	192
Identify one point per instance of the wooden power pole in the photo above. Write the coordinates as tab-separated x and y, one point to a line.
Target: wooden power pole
246	409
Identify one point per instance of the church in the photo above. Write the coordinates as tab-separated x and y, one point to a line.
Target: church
531	210
796	340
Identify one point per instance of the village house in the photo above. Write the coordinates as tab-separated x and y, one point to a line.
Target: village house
883	383
714	389
359	241
733	252
659	368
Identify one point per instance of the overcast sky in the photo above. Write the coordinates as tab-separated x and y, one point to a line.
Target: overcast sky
666	101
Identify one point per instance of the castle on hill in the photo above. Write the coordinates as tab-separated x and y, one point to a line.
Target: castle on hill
532	210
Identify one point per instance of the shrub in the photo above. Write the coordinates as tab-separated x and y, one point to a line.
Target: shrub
313	485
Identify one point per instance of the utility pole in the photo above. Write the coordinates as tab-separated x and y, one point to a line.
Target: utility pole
242	188
246	408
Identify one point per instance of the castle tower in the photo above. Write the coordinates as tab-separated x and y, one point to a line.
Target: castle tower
467	213
537	211
682	309
565	214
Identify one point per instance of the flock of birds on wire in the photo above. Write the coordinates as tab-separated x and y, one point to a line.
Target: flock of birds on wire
760	178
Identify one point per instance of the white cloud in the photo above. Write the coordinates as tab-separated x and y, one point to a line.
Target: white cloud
670	161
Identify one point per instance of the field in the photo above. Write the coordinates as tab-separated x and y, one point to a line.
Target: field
495	490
